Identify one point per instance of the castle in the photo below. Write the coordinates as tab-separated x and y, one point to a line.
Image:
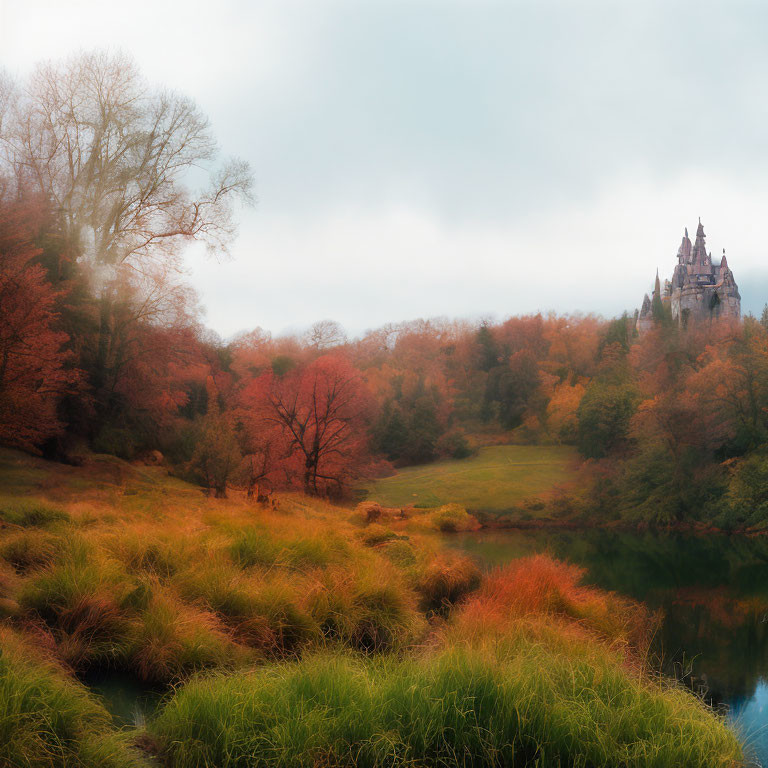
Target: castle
699	289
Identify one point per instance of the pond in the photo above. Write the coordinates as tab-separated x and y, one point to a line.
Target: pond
712	590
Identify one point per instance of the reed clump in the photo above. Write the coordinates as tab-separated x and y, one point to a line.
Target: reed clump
47	718
458	706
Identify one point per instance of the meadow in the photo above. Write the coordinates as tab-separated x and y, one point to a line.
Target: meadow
306	635
495	479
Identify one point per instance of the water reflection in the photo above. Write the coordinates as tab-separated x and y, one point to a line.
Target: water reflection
712	590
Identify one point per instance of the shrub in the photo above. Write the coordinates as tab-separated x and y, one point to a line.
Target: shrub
376	534
452	518
455	445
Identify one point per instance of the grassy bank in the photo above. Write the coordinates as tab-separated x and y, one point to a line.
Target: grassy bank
496	479
305	635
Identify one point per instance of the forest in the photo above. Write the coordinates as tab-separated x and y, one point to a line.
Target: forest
103	348
181	510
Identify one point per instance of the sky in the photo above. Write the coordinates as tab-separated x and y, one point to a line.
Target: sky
453	157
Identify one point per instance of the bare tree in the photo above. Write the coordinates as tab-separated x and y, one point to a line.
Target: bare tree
325	334
118	160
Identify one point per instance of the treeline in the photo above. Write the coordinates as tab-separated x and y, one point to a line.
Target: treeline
102	346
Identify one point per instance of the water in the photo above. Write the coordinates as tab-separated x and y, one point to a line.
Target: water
129	701
713	591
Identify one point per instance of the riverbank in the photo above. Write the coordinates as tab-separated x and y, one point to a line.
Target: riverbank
307	634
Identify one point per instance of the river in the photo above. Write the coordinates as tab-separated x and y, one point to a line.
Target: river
712	590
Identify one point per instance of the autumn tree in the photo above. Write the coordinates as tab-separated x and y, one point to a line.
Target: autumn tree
217	453
322	410
117	159
34	364
605	411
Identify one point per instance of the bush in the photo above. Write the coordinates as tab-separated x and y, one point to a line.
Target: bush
376	534
452	518
455	445
116	441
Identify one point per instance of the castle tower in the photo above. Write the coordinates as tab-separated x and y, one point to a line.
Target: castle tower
698	290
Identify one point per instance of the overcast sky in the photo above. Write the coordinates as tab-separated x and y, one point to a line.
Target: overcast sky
464	158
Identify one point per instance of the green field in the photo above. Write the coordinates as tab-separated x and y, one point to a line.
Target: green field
497	478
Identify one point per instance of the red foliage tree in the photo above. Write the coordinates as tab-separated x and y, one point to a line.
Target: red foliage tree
321	410
33	372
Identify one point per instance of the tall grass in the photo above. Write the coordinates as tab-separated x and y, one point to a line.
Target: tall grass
368	608
374	646
26	550
170	639
27	513
49	720
446	580
459	707
542	587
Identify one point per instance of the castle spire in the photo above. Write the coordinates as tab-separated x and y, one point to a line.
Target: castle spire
700	246
684	251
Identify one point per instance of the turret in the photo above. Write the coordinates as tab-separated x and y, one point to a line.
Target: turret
684	251
700	247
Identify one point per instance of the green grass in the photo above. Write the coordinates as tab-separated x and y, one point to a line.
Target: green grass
48	719
498	478
475	707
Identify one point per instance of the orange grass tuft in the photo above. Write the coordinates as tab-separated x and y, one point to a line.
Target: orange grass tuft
541	586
